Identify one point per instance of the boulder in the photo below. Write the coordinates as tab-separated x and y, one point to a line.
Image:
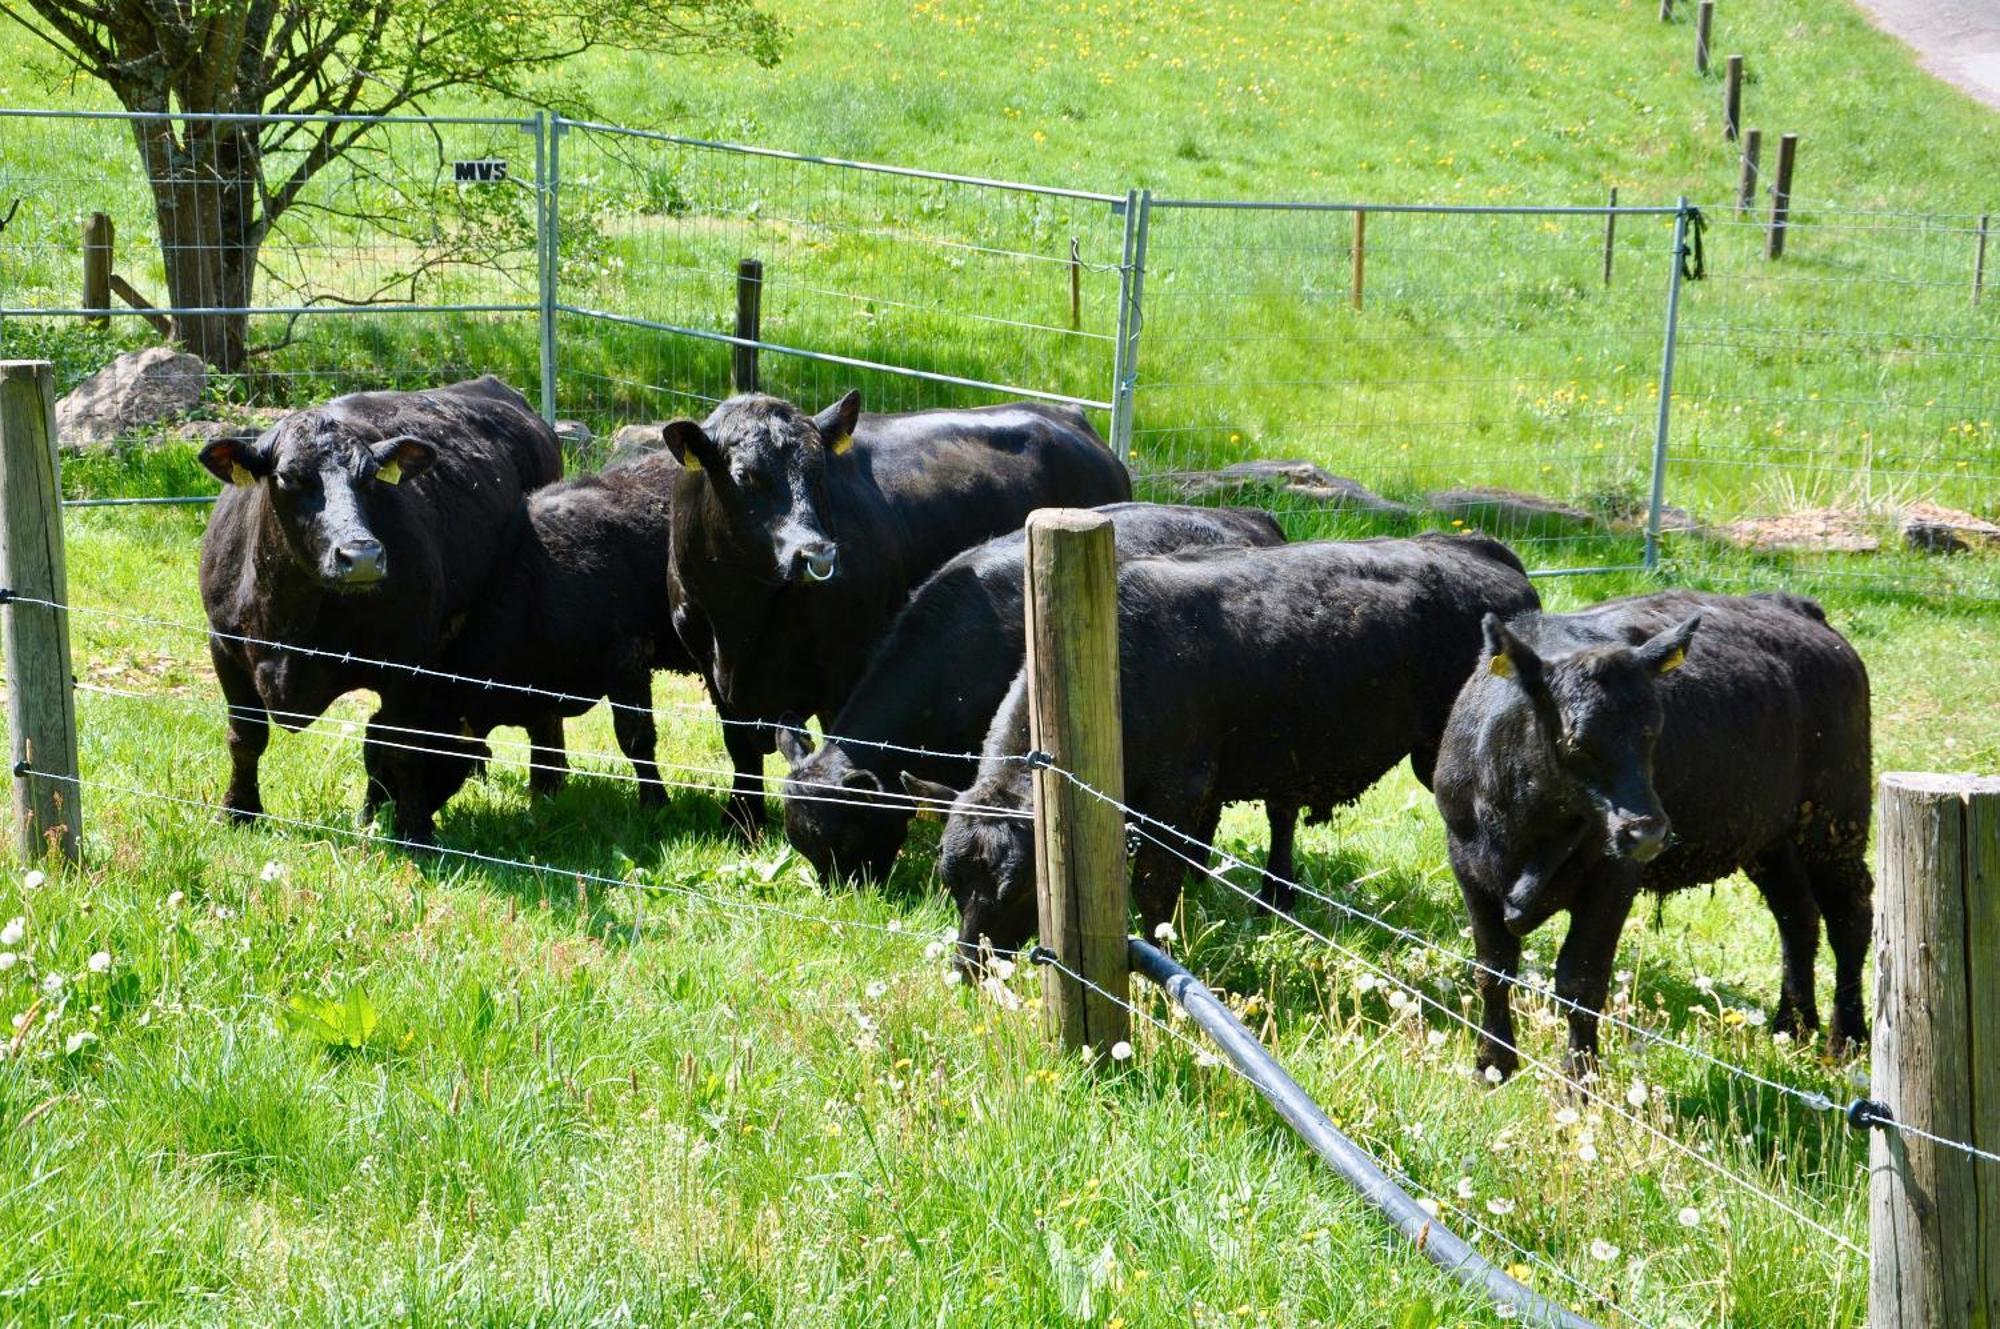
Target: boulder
575	435
1504	512
1298	479
134	392
1813	530
631	440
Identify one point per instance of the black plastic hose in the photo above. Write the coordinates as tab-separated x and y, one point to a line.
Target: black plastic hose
1438	1244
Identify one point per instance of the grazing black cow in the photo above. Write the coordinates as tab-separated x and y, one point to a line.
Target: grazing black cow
366	527
1587	737
797	538
936	679
1296	676
578	606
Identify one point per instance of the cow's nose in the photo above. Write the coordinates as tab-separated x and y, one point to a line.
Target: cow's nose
360	561
1642	838
821	558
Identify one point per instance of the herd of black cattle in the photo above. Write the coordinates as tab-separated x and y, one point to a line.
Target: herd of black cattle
867	571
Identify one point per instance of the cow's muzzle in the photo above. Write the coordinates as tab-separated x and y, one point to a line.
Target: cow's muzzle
360	563
1640	838
820	560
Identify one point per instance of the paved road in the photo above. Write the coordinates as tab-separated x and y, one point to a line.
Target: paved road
1957	40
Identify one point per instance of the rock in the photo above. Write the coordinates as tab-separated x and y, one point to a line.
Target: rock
1300	479
1814	530
138	389
1931	529
631	440
574	434
1504	512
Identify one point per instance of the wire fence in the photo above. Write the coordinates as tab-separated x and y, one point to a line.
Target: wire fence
1358	367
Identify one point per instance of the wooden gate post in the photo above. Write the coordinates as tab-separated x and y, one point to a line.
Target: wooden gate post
1073	717
1934	1211
749	324
97	241
41	709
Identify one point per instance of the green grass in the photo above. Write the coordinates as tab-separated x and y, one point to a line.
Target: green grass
677	1100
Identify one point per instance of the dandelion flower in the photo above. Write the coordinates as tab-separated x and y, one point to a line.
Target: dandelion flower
1121	1051
1689	1217
1603	1251
16	929
34	880
100	961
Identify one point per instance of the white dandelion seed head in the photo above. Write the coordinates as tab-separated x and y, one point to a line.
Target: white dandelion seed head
1499	1208
1435	1038
21	1020
33	881
1465	1188
1703	983
1164	932
1603	1251
895	925
876	989
8	959
1636	1095
11	934
952	976
1121	1051
1587	1152
1206	1058
272	871
1493	1075
1689	1217
1002	969
78	1041
175	899
1429	1206
1781	1038
100	961
52	983
934	952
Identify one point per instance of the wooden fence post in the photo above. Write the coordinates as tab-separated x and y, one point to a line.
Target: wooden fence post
749	323
1666	11
1781	196
1746	180
1704	19
1934	1212
1610	231
1979	261
1073	716
41	709
1359	253
97	238
1732	97
1075	284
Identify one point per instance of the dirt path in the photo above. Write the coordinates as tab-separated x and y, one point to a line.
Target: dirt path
1956	40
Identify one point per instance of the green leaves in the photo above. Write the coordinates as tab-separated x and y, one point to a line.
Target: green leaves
344	1025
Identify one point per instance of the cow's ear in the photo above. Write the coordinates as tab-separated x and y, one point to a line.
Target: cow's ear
237	459
401	458
1508	656
793	739
692	447
862	781
933	800
836	423
1667	650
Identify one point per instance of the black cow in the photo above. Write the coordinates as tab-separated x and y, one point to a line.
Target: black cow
797	539
578	606
363	527
1296	676
1588	737
936	680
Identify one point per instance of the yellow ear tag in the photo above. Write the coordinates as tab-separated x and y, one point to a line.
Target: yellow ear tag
840	446
1674	661
390	472
690	462
1501	666
240	476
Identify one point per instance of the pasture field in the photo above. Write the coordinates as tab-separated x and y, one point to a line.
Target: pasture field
713	1092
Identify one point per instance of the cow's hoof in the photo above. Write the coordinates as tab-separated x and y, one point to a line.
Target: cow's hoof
652	796
238	815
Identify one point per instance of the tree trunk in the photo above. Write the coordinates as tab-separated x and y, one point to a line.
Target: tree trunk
205	196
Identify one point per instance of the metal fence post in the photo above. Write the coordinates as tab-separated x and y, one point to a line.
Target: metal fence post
1131	316
548	176
1661	423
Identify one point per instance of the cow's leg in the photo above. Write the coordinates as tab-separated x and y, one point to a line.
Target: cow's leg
1159	868
1277	889
748	743
249	733
548	758
378	776
1781	875
1845	891
638	739
1499	953
1583	966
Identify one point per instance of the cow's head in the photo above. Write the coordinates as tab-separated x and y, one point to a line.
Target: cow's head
836	814
1597	718
764	461
988	864
323	480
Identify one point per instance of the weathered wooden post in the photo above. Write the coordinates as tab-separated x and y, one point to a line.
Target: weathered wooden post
1704	19
97	238
1610	231
1781	196
749	324
1666	11
1732	97
1746	180
1934	1211
41	710
1073	717
1979	261
1358	277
